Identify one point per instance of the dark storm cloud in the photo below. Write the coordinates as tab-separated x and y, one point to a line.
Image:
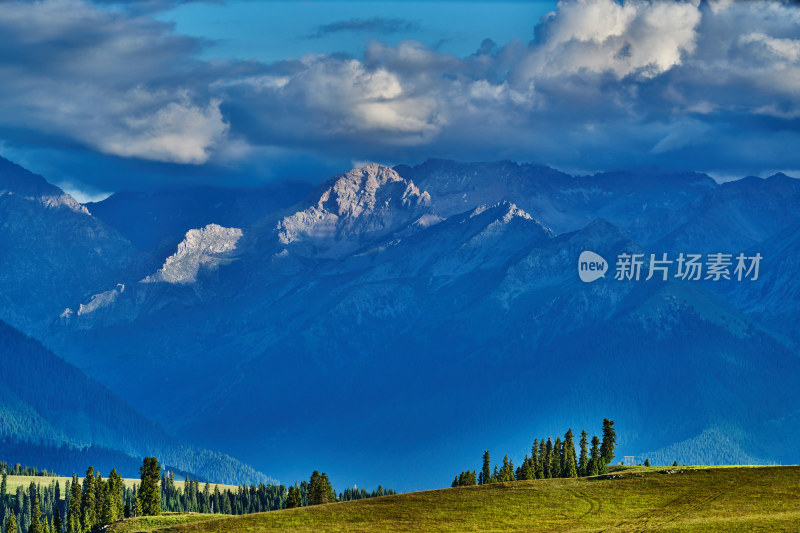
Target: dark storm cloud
710	86
384	26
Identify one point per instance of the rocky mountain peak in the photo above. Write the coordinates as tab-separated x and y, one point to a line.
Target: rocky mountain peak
206	247
351	207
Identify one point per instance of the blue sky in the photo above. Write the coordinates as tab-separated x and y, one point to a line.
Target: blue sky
276	30
105	95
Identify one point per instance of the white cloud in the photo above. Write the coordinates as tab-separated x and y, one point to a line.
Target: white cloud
99	77
635	37
788	49
176	133
622	82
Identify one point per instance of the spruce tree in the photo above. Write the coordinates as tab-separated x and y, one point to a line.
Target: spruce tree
99	498
114	497
328	494
486	471
594	457
609	441
583	461
11	523
570	463
524	470
25	517
507	471
294	497
74	510
36	517
88	501
547	459
314	490
556	458
149	493
57	526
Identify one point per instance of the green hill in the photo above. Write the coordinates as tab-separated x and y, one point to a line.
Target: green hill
703	499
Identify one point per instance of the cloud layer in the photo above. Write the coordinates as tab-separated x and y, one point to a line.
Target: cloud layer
710	85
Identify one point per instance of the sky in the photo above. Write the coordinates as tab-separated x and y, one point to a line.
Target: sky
101	96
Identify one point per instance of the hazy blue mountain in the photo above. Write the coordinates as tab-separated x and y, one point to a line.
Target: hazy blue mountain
52	411
773	299
736	216
53	250
642	202
398	321
158	220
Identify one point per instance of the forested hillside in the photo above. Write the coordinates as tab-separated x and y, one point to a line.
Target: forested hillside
52	413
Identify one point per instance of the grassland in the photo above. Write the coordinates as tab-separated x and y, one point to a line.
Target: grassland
703	499
25	481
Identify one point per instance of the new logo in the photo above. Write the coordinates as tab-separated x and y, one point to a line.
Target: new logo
591	266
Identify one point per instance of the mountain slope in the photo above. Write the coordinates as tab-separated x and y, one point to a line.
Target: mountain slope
693	499
407	329
351	209
157	220
641	202
47	404
54	251
737	215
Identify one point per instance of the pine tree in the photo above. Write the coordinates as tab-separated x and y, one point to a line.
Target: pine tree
570	467
57	526
25	517
314	496
294	497
99	498
609	441
4	488
88	501
328	494
113	499
556	459
11	523
149	493
594	457
523	471
486	472
583	461
36	517
548	458
647	462
320	489
74	510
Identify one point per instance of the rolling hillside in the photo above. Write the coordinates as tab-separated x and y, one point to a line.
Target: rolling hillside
51	413
713	499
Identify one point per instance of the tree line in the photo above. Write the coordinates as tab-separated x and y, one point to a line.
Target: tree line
88	504
549	459
19	470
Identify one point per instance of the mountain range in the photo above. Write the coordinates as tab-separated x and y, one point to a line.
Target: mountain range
389	322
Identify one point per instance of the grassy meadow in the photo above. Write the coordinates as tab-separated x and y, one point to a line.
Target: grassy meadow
731	499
